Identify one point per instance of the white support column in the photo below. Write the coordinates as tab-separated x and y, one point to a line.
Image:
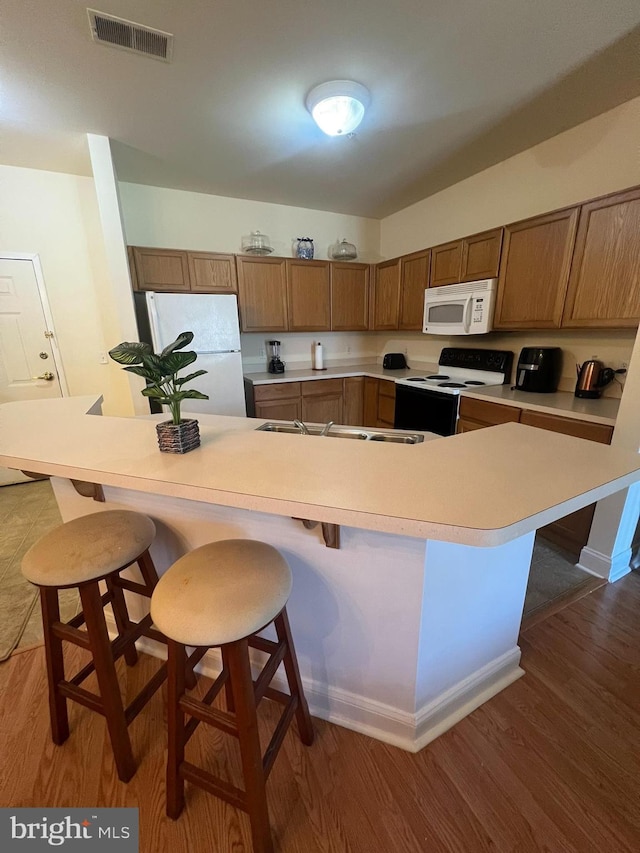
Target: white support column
608	551
106	184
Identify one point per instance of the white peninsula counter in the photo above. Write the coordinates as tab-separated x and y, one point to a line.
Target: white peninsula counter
413	622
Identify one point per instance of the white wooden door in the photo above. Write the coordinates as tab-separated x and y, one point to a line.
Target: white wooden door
29	361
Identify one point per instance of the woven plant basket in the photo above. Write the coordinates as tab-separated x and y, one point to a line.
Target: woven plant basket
178	438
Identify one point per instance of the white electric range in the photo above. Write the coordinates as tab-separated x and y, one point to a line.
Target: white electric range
430	402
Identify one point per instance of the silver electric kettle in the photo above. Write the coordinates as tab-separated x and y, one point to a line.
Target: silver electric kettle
592	378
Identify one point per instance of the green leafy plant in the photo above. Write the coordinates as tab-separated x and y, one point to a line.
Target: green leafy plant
161	369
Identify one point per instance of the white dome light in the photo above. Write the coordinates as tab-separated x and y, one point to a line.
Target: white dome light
338	106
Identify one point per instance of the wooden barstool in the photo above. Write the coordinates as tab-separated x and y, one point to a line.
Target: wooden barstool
79	554
222	595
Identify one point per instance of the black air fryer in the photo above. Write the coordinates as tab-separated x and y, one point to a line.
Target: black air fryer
539	369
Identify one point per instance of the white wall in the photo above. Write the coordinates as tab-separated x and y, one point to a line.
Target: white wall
592	159
176	219
56	216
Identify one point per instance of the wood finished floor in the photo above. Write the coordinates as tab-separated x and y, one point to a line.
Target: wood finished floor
551	764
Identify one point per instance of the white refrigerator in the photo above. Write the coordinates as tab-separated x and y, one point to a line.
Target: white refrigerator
213	319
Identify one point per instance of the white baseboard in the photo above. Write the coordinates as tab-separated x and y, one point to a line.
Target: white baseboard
403	729
604	565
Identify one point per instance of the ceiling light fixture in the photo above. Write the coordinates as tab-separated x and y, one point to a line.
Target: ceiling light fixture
338	106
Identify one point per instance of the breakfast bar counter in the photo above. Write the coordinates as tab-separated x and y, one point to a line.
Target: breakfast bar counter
413	621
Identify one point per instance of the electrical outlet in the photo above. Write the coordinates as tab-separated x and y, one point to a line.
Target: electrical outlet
102	358
348	349
624	365
262	352
405	351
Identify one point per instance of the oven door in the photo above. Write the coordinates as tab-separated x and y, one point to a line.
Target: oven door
426	410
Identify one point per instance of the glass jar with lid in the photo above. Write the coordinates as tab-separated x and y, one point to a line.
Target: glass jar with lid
256	244
344	251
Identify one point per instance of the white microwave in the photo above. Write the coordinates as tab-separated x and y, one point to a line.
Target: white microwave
460	309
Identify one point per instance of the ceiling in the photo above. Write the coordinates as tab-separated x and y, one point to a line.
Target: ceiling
456	86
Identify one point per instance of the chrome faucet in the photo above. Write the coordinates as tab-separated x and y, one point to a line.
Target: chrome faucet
302	427
326	428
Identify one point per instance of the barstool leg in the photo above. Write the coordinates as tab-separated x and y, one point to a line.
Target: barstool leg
121	615
107	679
246	719
228	690
177	659
55	664
303	718
148	570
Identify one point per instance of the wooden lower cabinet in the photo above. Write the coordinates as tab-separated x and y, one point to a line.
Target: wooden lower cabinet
370	402
572	531
386	403
353	400
322	401
278	402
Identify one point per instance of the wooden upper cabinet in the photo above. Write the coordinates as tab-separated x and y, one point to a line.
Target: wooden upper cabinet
534	271
386	295
161	269
308	291
349	297
414	279
211	272
262	294
446	264
604	288
481	255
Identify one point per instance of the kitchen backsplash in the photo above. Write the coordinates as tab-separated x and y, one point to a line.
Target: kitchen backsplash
613	348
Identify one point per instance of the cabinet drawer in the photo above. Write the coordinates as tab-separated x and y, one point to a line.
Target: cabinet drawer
580	429
315	387
488	413
278	391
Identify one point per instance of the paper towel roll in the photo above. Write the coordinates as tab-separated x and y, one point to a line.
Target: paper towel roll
317	357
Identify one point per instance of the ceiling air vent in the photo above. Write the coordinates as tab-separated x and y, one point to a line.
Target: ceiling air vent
117	32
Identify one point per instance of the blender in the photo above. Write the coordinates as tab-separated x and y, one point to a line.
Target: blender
275	365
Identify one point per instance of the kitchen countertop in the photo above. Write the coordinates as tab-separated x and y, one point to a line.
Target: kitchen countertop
435	490
601	411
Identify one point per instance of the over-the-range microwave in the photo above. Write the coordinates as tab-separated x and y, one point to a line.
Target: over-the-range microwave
460	309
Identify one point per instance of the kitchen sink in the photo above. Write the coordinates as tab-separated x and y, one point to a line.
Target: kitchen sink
363	434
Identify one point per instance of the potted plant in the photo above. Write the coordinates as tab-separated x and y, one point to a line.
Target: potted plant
166	387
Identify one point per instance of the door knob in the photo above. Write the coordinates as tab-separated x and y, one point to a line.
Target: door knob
48	375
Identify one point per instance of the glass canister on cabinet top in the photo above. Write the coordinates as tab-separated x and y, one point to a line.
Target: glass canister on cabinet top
344	251
304	248
256	244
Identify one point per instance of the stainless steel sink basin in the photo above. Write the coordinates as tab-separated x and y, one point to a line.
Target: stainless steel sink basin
346	432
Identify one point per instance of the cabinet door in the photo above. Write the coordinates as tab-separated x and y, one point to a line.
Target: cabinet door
262	294
370	402
481	255
279	410
572	531
349	297
446	264
386	296
604	288
308	289
414	280
211	272
386	403
353	400
322	400
534	271
161	269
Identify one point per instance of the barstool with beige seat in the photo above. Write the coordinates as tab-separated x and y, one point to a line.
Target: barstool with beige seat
222	595
81	553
